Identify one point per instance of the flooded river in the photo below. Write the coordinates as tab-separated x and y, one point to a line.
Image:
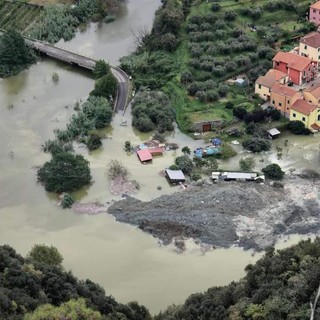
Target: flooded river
128	263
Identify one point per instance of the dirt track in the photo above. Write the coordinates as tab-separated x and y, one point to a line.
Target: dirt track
228	213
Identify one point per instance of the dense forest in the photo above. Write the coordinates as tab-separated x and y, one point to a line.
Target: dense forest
282	285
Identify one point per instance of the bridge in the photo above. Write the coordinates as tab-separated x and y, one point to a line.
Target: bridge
86	63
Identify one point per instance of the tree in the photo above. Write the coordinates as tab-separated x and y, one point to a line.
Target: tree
185	163
101	69
94	142
298	127
186	150
15	55
273	171
256	144
247	164
106	86
71	310
239	112
65	172
45	254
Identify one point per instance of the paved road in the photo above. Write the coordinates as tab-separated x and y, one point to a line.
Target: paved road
87	63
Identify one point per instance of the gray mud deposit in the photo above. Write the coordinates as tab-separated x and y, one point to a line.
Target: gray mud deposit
228	213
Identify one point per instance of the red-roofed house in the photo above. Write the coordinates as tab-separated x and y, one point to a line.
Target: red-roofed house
306	112
282	97
314	13
264	83
300	69
309	46
144	155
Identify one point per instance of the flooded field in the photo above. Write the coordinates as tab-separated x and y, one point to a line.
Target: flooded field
128	263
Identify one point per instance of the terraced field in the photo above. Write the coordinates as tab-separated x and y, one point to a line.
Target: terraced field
18	15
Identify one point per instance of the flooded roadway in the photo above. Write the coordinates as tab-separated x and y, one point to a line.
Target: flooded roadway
128	263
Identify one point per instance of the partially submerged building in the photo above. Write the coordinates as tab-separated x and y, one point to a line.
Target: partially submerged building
175	176
236	176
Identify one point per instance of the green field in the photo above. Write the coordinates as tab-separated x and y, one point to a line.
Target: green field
18	15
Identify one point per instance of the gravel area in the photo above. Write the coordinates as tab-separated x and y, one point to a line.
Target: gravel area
228	213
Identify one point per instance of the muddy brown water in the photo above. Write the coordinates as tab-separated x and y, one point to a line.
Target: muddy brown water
128	263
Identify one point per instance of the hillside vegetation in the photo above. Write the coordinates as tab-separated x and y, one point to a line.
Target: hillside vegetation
281	285
195	46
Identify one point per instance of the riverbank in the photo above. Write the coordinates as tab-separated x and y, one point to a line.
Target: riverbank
228	214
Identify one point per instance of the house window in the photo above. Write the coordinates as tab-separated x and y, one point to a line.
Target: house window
314	10
294	115
303	119
280	104
277	63
259	86
319	117
304	73
305	47
272	101
288	101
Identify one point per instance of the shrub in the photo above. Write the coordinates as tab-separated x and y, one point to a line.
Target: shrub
186	150
101	69
215	7
229	105
196	176
65	172
127	146
226	151
93	142
273	171
174	167
105	86
116	169
255	116
45	254
247	164
230	15
185	163
67	201
298	127
239	112
256	144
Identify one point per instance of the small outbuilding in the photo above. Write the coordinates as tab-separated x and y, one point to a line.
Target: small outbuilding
175	176
156	151
273	133
144	155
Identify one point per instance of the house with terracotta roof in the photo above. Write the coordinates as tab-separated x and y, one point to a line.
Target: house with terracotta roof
309	46
314	13
312	92
300	69
264	83
282	97
306	112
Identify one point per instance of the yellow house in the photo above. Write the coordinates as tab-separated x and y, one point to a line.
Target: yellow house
309	46
282	97
307	113
264	83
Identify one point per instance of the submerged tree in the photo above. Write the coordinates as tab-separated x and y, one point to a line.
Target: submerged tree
15	55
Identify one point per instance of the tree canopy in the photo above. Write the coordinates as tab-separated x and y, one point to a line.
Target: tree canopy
15	55
65	172
105	86
45	254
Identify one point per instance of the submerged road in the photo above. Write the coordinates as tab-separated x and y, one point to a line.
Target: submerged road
87	63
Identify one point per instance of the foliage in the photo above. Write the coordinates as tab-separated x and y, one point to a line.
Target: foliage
15	55
65	172
280	285
298	127
106	86
94	141
184	163
45	254
26	285
273	171
127	146
174	167
247	164
152	110
101	69
186	150
226	151
196	176
73	310
67	201
256	144
116	169
240	112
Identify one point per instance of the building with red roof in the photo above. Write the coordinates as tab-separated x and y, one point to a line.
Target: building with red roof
144	155
309	46
300	69
314	13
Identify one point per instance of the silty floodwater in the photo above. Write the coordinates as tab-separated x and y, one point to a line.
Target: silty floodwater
128	263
